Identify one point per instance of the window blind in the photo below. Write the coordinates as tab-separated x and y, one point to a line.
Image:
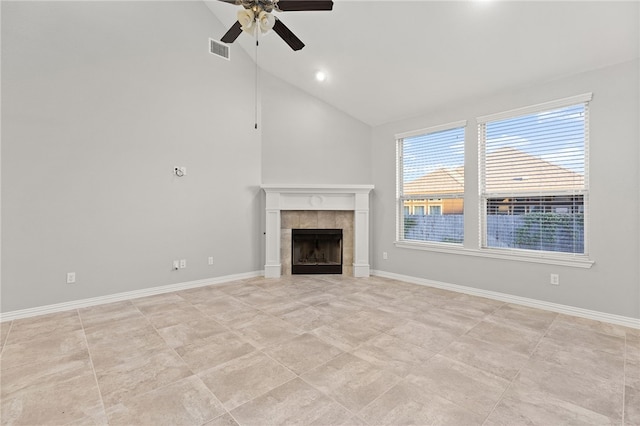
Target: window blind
534	179
431	184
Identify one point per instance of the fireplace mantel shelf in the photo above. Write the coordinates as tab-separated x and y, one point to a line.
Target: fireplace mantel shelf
317	197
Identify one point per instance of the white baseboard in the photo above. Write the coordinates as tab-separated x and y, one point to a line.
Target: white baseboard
84	303
503	297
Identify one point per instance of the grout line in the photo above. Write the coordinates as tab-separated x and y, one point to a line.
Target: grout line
624	380
93	369
517	375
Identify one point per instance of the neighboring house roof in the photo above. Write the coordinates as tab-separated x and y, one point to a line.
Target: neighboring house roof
508	170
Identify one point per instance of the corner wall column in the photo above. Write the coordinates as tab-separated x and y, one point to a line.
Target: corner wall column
273	266
361	243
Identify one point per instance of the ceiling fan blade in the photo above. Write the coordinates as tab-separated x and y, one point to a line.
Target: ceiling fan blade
233	33
232	1
300	5
285	33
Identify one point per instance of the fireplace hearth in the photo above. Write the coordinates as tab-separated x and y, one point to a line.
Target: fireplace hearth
316	251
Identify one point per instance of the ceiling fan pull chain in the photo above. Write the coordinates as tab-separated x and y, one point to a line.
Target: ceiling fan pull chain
256	88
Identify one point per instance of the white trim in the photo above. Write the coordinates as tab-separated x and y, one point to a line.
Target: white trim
504	254
326	197
84	303
524	301
433	129
531	109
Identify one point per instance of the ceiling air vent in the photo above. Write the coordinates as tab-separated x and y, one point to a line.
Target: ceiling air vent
219	49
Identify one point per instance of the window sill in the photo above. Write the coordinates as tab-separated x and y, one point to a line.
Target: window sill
574	261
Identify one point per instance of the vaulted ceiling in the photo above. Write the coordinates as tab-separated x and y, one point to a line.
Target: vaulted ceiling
388	60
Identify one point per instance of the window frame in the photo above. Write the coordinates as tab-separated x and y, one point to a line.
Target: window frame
472	244
400	197
483	195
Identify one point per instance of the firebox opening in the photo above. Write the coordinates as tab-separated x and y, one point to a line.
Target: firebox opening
316	251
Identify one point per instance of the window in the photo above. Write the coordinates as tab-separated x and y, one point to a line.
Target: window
435	210
534	177
430	165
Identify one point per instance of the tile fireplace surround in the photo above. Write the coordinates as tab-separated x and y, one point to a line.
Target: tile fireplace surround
310	197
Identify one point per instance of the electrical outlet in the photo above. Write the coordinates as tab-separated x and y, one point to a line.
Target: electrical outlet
555	279
384	255
183	263
176	265
71	277
210	260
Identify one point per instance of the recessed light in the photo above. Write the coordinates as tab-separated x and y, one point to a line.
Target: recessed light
321	76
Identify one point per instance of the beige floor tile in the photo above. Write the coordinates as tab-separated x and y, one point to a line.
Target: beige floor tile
76	400
186	402
174	316
245	378
302	353
430	337
447	320
351	381
190	332
227	310
587	391
581	360
293	403
150	304
316	296
377	319
392	354
344	334
474	307
406	404
489	357
308	318
632	406
45	326
26	377
470	388
4	332
281	307
213	351
43	349
201	294
108	314
580	371
590	325
140	375
522	317
263	331
563	333
521	340
109	353
223	420
258	298
525	406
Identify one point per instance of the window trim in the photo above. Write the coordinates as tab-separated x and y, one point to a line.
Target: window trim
399	180
530	256
549	257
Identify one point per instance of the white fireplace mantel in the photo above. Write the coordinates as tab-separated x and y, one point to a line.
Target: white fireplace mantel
317	197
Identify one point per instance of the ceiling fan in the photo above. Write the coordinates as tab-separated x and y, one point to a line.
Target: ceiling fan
257	14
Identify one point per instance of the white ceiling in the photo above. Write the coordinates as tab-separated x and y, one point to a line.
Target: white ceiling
388	60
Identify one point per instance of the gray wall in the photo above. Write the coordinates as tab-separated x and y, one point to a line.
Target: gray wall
100	100
308	141
612	284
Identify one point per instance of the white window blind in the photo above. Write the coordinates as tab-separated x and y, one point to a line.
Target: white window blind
534	178
430	198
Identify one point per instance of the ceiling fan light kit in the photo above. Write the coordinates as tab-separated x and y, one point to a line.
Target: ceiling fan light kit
257	14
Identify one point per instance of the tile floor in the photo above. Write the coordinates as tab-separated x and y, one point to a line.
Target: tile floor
317	350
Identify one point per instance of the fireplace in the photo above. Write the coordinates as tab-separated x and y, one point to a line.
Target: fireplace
320	200
316	251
